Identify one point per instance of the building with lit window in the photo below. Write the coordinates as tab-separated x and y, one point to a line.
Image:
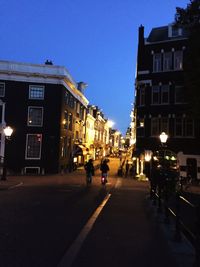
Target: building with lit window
160	103
47	111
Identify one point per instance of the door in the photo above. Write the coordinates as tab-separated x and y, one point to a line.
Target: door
192	168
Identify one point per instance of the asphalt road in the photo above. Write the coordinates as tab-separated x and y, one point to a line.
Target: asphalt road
41	222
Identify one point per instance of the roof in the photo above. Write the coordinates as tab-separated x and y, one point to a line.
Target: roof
158	34
164	33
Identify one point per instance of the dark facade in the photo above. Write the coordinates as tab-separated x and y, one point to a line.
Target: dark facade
160	102
42	104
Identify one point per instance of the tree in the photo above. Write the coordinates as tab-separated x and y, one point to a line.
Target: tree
189	18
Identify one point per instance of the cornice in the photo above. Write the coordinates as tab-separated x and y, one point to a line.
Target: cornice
49	74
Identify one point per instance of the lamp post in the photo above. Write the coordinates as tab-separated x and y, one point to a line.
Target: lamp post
162	173
7	132
147	158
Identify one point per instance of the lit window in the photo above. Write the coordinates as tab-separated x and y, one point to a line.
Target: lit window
64	148
157	63
35	116
2	89
65	121
165	94
141	122
70	121
81	112
36	92
167	61
33	146
77	107
155	95
178	60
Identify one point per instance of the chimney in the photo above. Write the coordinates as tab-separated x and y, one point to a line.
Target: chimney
48	62
141	35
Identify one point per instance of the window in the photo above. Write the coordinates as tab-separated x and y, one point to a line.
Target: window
179	95
175	31
35	116
67	97
141	122
157	63
33	146
165	94
189	127
65	122
184	127
70	121
167	61
1	115
77	107
71	101
142	96
178	127
164	125
178	60
81	112
2	89
155	95
155	127
36	92
64	148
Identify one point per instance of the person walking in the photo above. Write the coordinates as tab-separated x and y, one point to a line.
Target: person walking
127	168
89	168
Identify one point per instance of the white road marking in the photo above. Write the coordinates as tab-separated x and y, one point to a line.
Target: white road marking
71	253
14	186
118	183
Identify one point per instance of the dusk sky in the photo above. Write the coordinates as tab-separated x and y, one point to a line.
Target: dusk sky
96	40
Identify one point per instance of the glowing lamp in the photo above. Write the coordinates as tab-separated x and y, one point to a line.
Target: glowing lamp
8	131
163	137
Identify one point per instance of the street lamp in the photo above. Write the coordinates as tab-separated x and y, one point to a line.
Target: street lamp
110	123
163	138
7	132
147	158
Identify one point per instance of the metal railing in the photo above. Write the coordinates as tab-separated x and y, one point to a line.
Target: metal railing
172	204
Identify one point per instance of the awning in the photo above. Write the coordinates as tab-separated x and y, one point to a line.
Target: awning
80	150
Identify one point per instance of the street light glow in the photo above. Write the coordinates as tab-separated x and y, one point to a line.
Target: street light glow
110	123
8	131
163	137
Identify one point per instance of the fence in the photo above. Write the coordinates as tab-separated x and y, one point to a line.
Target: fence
170	200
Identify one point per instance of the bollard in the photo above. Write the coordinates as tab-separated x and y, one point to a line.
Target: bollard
177	236
159	209
166	198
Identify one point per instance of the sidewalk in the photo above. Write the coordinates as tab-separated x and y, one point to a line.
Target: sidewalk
11	182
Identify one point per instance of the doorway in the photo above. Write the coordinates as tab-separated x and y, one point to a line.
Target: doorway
192	168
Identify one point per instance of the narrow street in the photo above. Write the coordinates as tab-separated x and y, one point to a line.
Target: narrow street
41	221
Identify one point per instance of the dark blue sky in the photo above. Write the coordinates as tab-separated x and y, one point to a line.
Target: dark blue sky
96	40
